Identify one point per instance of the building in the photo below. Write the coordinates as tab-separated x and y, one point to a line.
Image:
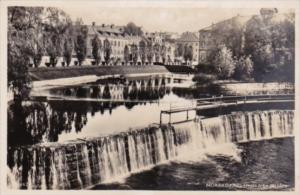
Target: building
166	44
188	40
117	39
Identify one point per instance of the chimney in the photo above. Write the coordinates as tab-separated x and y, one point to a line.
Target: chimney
103	25
94	23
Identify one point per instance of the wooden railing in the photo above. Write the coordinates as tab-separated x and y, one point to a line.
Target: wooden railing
222	101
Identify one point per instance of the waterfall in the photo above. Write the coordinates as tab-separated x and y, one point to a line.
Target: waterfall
84	163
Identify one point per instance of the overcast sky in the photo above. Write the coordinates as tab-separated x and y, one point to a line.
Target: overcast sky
173	19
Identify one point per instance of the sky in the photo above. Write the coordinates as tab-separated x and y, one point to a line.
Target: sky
155	19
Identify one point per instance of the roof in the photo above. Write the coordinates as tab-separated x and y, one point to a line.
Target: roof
188	37
109	32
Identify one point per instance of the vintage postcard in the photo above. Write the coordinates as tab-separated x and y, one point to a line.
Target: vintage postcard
148	97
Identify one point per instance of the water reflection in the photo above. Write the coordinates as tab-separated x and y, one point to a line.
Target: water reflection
56	121
141	89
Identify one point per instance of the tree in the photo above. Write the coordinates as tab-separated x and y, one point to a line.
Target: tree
133	29
107	50
96	44
25	43
68	49
80	41
142	46
224	63
179	50
156	49
134	53
68	44
163	53
265	38
126	54
58	28
149	52
244	68
188	53
229	33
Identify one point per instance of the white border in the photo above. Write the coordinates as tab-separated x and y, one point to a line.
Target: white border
295	4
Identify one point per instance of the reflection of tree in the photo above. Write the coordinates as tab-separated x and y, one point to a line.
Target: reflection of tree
39	121
22	124
106	92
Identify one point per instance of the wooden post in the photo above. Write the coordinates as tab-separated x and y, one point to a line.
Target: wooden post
187	114
160	118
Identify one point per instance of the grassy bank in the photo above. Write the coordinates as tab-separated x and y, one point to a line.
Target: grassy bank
38	74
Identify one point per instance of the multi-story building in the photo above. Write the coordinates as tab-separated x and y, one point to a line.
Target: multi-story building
116	37
166	42
188	40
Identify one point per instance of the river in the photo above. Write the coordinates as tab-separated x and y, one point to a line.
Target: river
109	135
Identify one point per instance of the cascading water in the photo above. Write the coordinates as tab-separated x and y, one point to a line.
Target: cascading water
85	163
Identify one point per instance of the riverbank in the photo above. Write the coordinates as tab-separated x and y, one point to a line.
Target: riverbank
39	74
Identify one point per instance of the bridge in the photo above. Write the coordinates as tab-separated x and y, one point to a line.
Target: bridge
225	101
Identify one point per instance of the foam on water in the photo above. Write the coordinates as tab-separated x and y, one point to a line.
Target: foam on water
106	159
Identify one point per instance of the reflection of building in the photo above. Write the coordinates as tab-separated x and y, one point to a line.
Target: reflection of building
189	40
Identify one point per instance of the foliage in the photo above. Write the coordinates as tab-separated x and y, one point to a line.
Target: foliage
230	34
32	31
163	53
57	29
80	43
133	29
267	40
96	44
107	50
68	49
188	53
156	50
179	50
126	54
68	46
224	63
24	45
244	68
134	53
149	52
143	51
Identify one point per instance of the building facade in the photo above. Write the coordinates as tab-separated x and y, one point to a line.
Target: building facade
117	39
187	46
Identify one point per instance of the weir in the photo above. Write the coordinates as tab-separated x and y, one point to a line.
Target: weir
84	163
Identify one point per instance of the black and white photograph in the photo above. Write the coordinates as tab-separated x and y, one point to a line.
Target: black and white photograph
149	96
